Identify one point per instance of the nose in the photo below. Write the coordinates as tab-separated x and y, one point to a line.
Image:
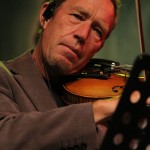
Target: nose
82	33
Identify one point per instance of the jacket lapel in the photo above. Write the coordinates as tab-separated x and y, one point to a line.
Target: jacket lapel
32	82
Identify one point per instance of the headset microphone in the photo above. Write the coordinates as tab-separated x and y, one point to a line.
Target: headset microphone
50	9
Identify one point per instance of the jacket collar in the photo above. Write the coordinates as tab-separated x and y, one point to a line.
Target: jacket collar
28	77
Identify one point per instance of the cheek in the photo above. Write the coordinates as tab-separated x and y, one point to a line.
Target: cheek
49	38
94	45
92	49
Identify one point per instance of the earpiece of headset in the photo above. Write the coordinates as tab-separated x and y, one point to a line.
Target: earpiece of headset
48	13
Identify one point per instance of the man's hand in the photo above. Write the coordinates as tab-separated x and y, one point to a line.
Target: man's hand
103	109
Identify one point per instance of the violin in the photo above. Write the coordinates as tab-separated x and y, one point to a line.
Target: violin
99	79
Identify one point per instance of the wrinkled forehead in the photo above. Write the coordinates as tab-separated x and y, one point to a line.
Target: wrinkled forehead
90	7
54	4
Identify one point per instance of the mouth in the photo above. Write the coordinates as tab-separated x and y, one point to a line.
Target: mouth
75	51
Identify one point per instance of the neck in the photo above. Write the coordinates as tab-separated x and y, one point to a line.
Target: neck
47	71
37	58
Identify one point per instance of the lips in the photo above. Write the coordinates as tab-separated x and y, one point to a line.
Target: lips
74	50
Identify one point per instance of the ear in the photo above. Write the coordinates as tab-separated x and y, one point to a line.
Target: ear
43	21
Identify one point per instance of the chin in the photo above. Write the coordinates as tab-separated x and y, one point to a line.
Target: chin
63	65
67	69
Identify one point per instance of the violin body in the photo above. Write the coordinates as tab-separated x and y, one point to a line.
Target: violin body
89	88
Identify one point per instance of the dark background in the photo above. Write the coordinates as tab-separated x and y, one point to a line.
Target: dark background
19	23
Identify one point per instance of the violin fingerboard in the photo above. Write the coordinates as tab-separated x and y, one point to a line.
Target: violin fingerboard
130	125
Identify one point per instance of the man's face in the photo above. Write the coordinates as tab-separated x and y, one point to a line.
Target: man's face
76	32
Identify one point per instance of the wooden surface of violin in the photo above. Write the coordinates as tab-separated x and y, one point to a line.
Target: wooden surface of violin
99	79
90	89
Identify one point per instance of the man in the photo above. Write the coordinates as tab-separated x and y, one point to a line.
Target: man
33	115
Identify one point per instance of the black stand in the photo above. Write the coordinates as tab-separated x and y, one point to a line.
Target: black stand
130	126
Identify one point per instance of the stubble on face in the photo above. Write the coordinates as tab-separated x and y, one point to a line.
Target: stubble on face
60	67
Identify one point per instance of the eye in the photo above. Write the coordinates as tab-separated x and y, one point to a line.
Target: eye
79	17
98	32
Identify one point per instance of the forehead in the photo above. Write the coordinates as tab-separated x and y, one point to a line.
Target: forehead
91	5
101	11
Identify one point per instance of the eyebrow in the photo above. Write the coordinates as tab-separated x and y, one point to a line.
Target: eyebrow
82	10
